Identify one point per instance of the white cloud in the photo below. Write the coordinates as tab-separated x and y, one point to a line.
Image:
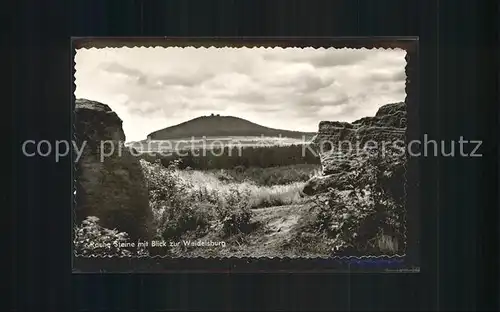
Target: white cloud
153	88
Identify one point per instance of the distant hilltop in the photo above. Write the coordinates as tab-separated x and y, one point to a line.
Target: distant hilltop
222	126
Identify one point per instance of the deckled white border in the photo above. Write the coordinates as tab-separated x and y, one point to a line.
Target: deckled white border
248	46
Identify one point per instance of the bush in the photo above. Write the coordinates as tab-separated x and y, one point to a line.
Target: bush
91	239
234	213
223	176
175	208
366	216
197	201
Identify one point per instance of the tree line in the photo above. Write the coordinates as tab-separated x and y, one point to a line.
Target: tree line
231	157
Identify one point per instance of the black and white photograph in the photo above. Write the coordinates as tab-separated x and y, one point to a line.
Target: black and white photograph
239	152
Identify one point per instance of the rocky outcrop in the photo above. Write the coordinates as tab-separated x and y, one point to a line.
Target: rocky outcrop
114	189
320	184
340	146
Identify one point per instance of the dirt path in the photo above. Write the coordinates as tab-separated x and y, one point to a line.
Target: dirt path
277	224
276	228
279	221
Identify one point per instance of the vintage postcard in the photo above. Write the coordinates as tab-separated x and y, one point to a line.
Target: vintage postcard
240	150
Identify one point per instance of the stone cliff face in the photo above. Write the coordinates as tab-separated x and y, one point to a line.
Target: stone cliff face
338	142
115	189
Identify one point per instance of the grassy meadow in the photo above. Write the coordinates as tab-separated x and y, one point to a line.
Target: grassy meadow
265	187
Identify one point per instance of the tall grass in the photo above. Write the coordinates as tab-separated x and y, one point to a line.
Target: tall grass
269	176
207	186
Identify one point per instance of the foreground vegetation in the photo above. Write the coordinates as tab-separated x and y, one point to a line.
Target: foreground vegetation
364	216
189	204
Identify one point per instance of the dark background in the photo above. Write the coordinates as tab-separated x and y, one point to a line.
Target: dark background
411	258
458	82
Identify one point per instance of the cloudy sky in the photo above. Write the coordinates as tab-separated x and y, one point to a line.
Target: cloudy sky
292	89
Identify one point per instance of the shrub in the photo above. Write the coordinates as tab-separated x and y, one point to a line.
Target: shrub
176	222
196	201
366	216
234	213
174	206
223	176
91	239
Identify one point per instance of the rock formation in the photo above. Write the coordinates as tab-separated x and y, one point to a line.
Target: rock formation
340	146
114	190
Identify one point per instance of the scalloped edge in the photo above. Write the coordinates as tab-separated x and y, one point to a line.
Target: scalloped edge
407	44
